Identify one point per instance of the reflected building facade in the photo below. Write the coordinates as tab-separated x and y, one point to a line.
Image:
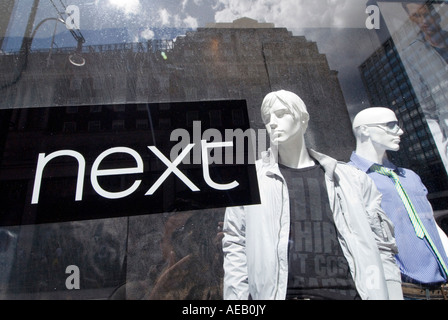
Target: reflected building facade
388	83
240	60
243	60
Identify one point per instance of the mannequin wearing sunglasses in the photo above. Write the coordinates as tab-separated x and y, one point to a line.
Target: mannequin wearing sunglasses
422	256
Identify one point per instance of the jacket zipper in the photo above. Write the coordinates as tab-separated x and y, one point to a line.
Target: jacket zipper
343	212
284	186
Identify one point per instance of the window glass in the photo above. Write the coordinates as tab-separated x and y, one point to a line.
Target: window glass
89	87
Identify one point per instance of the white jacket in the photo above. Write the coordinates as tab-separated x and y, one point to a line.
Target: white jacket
255	242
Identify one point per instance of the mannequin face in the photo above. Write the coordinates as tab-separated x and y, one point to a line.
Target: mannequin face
421	15
281	124
385	136
377	131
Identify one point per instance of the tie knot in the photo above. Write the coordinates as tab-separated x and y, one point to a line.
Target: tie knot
382	170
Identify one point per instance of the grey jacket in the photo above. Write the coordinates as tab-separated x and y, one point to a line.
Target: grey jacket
255	242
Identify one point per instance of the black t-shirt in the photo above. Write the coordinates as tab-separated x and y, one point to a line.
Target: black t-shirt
317	266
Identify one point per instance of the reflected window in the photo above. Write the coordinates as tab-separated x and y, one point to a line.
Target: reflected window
69	127
94	126
95	109
191	117
119	108
141	124
71	109
215	118
118	125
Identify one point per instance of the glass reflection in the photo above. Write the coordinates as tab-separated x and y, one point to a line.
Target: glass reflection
90	53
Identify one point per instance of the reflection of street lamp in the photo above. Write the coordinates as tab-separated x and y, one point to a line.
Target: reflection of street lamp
75	58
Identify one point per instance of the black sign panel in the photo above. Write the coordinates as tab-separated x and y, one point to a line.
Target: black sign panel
102	161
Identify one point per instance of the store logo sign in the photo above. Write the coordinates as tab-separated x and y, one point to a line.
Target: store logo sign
95	162
43	160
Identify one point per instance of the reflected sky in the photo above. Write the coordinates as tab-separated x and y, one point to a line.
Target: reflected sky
337	26
142	14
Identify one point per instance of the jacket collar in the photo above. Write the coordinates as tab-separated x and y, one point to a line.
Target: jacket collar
270	162
420	39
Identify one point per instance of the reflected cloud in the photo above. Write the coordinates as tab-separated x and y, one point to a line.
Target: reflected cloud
127	6
295	13
147	34
177	20
164	17
189	22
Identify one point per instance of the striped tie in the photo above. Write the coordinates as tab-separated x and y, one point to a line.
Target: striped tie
419	228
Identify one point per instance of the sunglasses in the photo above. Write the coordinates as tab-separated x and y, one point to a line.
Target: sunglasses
390	127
